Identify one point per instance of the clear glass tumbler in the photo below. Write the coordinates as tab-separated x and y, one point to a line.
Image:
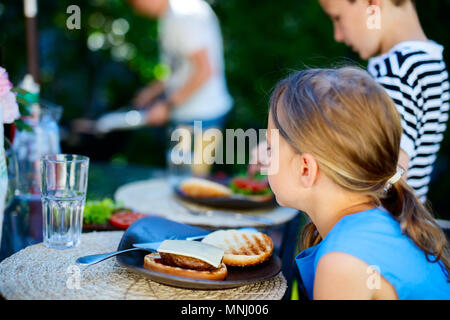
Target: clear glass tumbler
179	156
64	183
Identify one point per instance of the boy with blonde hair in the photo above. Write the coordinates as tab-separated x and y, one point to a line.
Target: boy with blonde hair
409	66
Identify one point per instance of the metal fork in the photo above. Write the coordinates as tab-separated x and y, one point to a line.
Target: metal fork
96	258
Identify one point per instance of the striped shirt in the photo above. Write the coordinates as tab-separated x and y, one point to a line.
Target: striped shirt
415	76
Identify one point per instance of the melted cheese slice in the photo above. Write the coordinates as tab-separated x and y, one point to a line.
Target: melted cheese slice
194	249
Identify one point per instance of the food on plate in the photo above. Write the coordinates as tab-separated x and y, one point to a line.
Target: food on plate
242	248
255	188
124	219
107	214
190	259
202	188
98	212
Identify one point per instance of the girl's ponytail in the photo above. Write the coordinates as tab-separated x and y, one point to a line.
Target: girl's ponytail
310	236
417	222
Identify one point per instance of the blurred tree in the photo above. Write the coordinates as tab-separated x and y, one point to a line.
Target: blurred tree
99	67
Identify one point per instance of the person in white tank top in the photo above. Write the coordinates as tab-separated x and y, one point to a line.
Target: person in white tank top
191	45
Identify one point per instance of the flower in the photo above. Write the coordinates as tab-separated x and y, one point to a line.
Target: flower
5	84
8	101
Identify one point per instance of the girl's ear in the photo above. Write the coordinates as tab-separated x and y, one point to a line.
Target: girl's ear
309	170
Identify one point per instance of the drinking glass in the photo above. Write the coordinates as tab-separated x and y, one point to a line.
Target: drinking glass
64	182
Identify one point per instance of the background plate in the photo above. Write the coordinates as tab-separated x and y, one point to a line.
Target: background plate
233	202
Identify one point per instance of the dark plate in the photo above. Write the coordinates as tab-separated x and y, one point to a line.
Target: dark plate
151	229
234	202
88	227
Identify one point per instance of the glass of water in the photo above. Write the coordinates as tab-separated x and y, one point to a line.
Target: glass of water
64	182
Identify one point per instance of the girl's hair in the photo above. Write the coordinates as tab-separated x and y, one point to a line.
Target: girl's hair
350	125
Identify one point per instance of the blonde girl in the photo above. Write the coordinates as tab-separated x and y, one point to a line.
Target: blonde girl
369	237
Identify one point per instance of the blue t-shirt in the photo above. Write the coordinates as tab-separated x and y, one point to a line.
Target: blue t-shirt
375	237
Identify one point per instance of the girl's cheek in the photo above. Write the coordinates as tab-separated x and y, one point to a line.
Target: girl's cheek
272	183
271	173
276	185
274	178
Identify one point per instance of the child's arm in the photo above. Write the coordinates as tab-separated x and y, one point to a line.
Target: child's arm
342	276
202	71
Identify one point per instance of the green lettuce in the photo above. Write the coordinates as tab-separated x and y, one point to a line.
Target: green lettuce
98	212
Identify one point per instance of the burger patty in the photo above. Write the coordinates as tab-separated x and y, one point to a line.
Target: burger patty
177	260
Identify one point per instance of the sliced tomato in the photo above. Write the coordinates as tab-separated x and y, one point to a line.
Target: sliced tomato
250	184
124	219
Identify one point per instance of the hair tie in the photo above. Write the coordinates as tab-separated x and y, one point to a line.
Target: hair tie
396	177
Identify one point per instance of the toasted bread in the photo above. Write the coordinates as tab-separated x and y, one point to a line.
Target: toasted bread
202	188
242	248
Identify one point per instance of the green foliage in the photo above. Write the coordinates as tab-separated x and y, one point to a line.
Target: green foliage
263	42
22	98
